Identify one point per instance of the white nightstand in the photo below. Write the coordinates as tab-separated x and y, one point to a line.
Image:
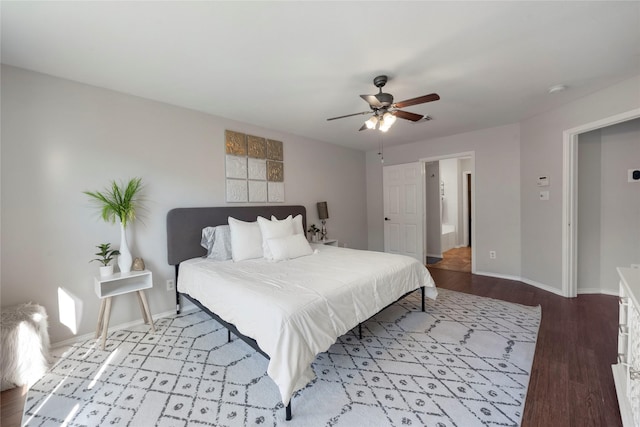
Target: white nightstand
118	284
330	242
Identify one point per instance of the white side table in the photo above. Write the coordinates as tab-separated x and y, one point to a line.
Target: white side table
330	242
118	284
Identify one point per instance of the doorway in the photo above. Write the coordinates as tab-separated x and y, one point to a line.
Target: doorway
608	224
570	197
449	212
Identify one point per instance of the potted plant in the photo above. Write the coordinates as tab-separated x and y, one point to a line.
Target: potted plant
119	202
313	231
106	255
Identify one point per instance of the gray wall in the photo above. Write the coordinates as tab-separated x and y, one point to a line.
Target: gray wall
432	201
464	165
449	175
60	138
541	151
589	207
497	191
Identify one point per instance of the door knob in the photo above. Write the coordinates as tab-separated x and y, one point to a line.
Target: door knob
386	219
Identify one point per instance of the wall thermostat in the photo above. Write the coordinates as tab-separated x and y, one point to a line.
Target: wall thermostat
634	175
543	181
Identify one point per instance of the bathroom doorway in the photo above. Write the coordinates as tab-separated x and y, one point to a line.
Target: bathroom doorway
449	210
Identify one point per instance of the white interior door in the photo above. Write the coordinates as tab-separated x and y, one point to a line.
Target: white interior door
404	209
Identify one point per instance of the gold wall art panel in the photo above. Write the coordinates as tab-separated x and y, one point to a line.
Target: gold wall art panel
274	150
257	147
236	143
275	171
254	168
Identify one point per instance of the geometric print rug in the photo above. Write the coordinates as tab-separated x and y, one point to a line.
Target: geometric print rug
465	362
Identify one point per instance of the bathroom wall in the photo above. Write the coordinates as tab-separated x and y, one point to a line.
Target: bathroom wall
449	176
433	209
464	166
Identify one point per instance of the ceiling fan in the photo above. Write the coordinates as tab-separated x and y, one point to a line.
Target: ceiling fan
385	110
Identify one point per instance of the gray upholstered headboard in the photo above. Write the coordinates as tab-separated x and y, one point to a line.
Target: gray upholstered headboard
184	225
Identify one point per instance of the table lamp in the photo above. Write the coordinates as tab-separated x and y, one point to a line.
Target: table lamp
323	214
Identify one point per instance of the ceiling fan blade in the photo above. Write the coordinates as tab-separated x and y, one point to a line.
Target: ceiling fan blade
364	127
407	115
350	115
372	100
419	100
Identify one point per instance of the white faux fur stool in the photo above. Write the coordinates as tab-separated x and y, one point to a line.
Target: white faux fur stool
24	351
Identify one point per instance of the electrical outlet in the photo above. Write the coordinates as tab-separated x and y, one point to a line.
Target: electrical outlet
492	254
171	285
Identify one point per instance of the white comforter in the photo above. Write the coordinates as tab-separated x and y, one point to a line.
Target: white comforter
297	309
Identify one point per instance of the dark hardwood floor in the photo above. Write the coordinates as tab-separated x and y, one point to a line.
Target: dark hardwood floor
11	404
571	381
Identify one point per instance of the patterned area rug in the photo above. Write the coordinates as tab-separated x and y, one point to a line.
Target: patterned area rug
465	362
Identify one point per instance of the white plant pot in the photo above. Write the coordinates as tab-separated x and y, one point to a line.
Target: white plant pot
124	259
106	271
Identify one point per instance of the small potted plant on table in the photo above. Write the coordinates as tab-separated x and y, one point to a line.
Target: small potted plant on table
106	255
313	231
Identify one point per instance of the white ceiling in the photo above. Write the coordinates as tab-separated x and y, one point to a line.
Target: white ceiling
288	66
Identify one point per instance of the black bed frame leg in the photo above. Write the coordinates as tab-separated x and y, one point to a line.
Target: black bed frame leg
422	289
288	410
175	284
228	335
360	330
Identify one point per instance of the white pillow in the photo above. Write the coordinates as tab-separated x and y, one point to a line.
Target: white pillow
217	242
246	240
289	247
297	223
274	229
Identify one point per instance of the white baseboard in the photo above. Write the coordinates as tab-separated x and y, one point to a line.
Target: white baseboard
533	283
186	308
598	291
547	288
544	287
498	275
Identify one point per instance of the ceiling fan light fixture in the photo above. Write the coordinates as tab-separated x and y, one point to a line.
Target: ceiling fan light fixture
385	111
387	121
372	122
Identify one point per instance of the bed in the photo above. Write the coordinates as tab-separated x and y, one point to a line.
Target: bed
292	310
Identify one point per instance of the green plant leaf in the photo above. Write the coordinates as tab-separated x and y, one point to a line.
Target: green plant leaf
118	201
106	255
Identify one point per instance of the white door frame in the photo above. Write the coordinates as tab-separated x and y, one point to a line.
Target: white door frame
465	208
570	196
472	156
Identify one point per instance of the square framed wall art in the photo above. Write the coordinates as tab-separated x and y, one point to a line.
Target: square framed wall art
254	169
